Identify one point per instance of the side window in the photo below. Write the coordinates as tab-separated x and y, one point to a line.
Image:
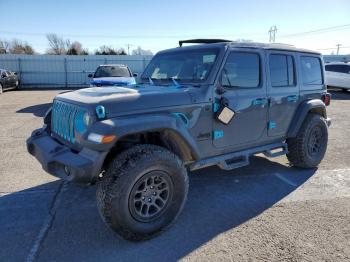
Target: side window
345	69
332	68
282	70
241	70
311	70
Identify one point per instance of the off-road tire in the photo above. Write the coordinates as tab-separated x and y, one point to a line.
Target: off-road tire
301	148
115	191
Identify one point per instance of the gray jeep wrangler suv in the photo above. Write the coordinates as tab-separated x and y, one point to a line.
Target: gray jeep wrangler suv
214	103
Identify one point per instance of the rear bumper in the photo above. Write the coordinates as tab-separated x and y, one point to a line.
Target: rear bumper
60	161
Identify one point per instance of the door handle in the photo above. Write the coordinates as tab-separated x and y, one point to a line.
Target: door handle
260	101
292	98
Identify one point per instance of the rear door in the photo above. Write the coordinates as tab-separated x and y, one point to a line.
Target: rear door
336	75
282	91
244	89
344	76
347	76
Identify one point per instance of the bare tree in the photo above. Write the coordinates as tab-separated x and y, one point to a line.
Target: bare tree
106	50
58	45
4	47
140	51
76	48
122	51
20	47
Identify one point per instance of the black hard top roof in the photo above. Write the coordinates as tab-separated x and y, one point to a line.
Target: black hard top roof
206	43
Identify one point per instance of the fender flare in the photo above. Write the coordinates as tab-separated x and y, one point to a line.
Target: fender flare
125	126
314	106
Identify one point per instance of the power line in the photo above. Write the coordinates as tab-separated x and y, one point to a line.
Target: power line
128	36
333	48
272	32
321	30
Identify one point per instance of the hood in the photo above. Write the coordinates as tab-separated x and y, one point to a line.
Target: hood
110	81
120	100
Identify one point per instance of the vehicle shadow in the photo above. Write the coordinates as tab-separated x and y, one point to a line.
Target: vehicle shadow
339	94
218	201
37	110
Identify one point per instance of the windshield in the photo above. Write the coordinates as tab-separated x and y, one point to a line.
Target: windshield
112	71
185	66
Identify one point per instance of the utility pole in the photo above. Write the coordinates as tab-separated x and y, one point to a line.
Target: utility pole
129	45
338	47
272	33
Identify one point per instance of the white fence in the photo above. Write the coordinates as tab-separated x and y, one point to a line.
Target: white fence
54	71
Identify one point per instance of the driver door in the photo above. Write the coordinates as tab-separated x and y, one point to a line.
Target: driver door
245	93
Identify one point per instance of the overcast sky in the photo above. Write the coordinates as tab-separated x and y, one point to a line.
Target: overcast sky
159	24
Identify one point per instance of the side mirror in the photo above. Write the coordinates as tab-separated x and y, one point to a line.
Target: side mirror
89	75
134	74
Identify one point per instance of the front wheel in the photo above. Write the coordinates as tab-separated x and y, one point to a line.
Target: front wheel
143	191
308	148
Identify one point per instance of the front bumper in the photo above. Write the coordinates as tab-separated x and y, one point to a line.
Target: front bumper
60	161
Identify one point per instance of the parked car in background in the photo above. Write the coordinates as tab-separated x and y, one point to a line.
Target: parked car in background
112	75
8	80
338	75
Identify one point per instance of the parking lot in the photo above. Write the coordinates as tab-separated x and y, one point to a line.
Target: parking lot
266	211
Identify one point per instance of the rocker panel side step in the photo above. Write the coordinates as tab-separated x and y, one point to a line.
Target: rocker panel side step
235	162
283	150
241	158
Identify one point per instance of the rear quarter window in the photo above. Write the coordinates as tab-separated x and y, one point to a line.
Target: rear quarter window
311	70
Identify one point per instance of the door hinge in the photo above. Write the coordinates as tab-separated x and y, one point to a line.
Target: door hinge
216	107
218	134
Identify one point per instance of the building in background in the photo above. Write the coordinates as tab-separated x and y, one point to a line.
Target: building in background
336	58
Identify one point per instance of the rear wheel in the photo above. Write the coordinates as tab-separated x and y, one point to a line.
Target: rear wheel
143	191
308	148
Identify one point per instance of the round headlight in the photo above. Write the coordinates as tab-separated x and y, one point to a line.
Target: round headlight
82	121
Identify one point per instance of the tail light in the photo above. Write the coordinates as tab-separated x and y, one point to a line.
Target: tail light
326	98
